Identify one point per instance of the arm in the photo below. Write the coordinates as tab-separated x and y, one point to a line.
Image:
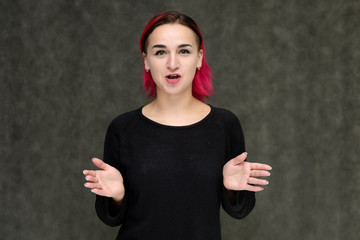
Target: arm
107	182
239	176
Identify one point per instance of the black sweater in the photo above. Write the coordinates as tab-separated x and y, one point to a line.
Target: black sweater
172	176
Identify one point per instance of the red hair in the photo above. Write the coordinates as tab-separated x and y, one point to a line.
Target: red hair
202	83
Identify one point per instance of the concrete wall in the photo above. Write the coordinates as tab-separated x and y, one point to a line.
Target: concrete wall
288	69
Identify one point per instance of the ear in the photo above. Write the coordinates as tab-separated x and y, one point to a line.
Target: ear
146	64
200	57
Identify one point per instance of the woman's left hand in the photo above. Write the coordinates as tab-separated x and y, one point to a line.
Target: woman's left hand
241	175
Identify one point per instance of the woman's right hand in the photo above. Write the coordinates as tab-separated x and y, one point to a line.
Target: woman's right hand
107	181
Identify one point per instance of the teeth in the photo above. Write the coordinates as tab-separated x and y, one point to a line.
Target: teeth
173	76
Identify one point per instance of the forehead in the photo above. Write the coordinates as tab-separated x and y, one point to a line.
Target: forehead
172	34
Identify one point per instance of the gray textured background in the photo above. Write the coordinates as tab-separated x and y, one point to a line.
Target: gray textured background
288	69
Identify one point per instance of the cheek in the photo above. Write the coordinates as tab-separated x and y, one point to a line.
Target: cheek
191	65
156	69
156	64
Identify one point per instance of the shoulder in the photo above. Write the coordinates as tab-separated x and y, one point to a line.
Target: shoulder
124	121
225	116
233	130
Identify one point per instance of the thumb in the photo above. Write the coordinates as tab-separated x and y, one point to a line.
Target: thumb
239	159
99	163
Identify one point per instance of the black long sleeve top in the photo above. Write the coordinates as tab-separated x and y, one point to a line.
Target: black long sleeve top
173	176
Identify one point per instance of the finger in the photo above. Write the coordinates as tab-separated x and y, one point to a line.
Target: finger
260	166
91	179
240	158
259	173
89	173
257	181
99	163
98	192
92	185
254	188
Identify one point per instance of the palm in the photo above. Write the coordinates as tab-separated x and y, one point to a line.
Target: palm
236	176
110	181
240	175
107	181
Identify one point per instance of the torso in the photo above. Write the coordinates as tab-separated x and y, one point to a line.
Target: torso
173	174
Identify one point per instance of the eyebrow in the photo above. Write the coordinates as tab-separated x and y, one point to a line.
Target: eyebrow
185	45
163	46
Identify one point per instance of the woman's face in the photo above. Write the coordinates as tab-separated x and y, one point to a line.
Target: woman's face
172	57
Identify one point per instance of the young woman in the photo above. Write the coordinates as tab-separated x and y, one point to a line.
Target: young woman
170	164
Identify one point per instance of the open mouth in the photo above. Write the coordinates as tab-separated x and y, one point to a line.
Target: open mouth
173	78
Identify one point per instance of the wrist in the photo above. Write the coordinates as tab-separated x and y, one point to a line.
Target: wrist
118	199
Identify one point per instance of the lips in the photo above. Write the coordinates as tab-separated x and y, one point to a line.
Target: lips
173	78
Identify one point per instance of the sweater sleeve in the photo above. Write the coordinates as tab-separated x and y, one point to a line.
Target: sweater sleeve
244	200
104	206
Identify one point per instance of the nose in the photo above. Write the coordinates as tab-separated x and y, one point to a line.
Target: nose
173	62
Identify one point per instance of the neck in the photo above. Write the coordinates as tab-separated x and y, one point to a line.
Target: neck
176	110
173	104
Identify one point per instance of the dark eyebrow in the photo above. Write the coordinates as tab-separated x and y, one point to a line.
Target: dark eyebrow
185	45
163	46
159	46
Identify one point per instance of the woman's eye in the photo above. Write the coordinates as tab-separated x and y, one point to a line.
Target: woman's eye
160	52
184	51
